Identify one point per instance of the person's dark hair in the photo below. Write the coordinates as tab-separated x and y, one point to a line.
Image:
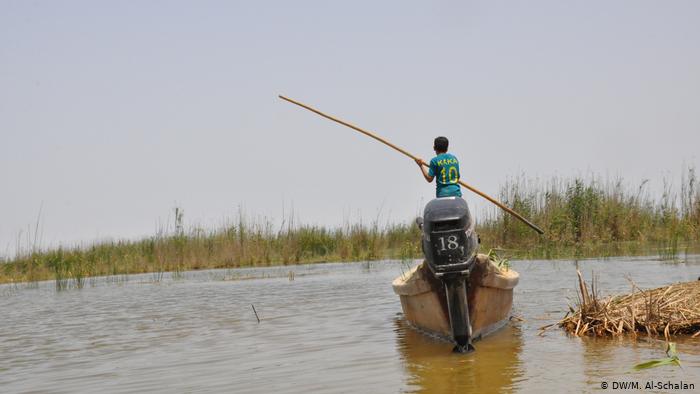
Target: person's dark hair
441	144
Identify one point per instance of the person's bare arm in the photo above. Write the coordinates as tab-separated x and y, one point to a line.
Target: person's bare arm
427	176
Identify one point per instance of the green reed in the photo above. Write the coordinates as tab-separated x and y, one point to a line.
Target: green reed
592	217
243	242
581	218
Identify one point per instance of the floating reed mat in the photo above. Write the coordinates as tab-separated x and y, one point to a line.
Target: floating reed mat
667	311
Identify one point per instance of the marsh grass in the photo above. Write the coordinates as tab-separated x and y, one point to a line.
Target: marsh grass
246	242
594	217
581	218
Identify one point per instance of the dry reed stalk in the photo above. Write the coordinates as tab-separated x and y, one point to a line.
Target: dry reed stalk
668	311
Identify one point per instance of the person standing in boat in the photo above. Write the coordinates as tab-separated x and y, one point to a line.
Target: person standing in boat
444	168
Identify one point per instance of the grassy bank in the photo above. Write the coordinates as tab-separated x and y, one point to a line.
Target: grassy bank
581	218
594	217
245	243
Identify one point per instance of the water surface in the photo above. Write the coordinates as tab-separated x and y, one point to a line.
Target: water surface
333	328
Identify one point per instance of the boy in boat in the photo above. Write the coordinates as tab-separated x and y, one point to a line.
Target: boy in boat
445	167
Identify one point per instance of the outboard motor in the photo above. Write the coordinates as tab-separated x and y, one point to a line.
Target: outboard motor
449	245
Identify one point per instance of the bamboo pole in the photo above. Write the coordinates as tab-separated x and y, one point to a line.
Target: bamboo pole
382	140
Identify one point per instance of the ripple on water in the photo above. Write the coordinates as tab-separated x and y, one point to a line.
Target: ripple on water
335	328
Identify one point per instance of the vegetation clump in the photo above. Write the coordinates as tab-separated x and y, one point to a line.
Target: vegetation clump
668	311
244	243
593	217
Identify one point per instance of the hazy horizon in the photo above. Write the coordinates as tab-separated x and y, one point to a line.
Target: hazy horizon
112	114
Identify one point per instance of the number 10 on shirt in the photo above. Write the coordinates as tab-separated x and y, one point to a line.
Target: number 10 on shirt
450	175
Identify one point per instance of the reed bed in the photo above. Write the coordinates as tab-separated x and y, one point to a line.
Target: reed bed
581	218
665	311
595	217
246	242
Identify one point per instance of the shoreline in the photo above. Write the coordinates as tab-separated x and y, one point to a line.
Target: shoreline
582	218
75	265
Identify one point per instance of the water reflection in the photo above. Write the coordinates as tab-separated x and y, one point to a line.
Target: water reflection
430	365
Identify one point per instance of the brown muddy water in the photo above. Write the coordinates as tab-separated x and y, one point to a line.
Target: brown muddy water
333	328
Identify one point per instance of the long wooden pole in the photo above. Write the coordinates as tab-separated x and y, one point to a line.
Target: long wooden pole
382	140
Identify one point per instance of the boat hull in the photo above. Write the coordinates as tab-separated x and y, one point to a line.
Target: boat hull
490	298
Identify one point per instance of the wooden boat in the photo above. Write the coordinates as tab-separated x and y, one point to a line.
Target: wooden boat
455	292
489	295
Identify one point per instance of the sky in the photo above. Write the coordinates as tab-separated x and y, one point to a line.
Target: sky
113	113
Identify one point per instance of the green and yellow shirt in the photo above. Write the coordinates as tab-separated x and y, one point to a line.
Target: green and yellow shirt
445	168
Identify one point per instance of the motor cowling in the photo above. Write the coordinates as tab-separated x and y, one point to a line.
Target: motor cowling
449	241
